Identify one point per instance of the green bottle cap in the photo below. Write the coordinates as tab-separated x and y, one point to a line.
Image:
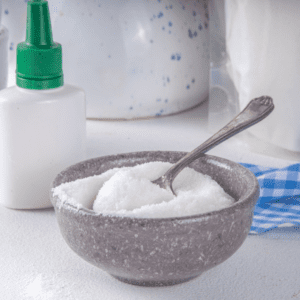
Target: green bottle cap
39	59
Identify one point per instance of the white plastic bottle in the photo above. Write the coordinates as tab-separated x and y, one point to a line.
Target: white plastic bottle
42	121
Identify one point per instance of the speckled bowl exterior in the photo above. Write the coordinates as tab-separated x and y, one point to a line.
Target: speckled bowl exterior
157	252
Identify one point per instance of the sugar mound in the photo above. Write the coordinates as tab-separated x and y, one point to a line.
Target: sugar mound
128	191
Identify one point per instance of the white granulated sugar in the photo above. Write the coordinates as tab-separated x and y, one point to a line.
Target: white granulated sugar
128	191
82	192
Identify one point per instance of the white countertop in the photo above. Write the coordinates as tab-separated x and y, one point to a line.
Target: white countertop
36	263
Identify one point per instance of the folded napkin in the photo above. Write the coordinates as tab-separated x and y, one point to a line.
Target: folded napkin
279	201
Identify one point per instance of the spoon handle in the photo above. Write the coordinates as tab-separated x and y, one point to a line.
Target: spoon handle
255	111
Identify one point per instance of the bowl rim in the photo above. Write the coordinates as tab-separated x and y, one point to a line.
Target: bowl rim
251	192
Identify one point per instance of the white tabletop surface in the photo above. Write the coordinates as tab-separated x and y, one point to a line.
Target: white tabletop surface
36	263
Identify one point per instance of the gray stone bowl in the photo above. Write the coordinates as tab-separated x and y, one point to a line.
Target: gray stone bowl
158	252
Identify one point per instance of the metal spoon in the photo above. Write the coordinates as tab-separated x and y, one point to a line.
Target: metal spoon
255	111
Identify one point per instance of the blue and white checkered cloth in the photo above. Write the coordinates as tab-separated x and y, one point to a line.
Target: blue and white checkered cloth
279	201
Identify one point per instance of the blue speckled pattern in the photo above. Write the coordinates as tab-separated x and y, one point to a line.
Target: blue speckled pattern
119	52
157	252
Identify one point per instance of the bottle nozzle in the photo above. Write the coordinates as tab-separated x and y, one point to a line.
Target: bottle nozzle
38	32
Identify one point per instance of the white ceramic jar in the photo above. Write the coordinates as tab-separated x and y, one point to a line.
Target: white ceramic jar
133	58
